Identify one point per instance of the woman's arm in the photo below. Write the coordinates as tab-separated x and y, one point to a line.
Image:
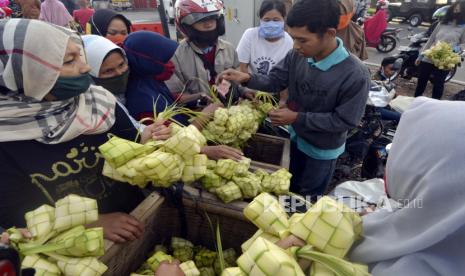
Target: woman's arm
244	67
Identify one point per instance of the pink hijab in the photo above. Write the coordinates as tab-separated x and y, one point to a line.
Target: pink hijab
53	11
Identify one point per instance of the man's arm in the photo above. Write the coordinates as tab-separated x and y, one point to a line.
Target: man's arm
345	116
276	81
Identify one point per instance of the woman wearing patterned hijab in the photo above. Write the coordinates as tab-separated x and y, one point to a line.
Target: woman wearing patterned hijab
52	121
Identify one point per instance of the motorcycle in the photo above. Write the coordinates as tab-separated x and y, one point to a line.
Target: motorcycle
409	54
388	40
365	153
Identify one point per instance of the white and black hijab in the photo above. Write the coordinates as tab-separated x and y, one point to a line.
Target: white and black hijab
31	55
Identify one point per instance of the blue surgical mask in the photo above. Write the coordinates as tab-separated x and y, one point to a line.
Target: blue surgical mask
69	87
271	29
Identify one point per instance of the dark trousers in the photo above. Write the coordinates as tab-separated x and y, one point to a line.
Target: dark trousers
310	177
439	78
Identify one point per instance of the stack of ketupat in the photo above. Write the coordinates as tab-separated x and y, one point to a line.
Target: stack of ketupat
329	228
236	124
162	163
60	243
231	180
196	260
443	56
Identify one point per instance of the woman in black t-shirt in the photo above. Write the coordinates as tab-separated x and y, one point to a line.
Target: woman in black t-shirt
52	121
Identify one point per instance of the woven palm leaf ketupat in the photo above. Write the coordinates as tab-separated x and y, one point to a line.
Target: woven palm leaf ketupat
195	168
266	258
186	142
118	151
189	268
233	271
246	245
249	184
211	180
267	214
41	265
329	226
82	267
40	221
157	258
80	242
229	192
74	210
226	168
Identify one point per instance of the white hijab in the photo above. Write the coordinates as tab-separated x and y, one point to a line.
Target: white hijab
425	167
97	49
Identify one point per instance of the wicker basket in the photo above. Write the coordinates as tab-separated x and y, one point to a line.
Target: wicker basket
163	221
268	151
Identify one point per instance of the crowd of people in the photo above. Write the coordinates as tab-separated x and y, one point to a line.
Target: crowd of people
61	96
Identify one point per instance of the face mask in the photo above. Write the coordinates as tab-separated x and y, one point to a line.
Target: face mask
271	29
69	87
168	71
116	85
204	38
117	39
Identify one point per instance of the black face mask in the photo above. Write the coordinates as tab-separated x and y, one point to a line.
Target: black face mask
116	85
206	39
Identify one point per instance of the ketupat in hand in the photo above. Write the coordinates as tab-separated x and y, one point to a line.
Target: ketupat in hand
157	131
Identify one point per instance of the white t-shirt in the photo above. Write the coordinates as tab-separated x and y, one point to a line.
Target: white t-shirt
261	54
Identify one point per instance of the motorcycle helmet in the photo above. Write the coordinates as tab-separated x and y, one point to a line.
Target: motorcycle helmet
383	4
189	12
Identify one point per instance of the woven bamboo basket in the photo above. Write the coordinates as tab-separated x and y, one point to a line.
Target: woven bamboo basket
268	151
164	220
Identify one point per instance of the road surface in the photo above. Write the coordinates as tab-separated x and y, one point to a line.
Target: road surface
373	55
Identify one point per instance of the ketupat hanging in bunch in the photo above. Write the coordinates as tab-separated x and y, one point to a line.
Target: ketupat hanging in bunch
118	151
329	226
186	142
81	266
195	168
442	55
267	214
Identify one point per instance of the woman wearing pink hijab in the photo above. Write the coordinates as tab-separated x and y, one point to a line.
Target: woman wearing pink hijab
53	11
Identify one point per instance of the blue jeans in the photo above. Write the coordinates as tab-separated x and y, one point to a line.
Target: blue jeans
310	177
388	114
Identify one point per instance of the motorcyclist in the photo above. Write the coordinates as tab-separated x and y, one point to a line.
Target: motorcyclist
375	25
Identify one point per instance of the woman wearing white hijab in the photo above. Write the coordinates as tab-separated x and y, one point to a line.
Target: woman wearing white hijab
52	121
426	172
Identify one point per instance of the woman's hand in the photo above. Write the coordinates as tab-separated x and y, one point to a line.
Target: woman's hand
5	237
290	242
169	269
156	131
119	227
222	152
211	108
